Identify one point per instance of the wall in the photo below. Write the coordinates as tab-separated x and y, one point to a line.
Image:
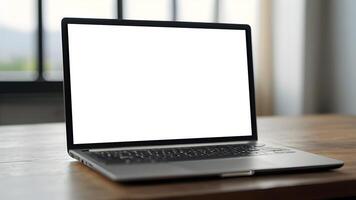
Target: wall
338	92
30	108
314	56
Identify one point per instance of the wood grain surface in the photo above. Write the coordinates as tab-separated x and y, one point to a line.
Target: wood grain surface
34	165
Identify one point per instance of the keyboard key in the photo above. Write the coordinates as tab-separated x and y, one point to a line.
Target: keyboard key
185	153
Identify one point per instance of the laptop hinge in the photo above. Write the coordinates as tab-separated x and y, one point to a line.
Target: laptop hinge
170	146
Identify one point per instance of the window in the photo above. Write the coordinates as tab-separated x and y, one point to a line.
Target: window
228	11
147	9
17	46
196	10
30	50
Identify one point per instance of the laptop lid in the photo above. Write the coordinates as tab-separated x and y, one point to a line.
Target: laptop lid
136	83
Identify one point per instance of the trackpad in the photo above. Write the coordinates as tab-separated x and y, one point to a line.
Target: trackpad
226	165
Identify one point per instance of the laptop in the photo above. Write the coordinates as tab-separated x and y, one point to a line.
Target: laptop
151	100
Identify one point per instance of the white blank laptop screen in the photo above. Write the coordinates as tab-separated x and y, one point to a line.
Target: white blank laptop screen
132	83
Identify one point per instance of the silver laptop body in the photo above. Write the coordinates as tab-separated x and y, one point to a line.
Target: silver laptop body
149	86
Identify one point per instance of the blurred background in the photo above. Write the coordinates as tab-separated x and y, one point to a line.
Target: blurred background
304	50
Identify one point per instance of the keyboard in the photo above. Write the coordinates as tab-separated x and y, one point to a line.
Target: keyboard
157	155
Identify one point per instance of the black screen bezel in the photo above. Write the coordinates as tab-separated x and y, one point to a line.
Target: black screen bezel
67	87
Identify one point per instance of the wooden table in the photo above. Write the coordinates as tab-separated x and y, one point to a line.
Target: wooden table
34	165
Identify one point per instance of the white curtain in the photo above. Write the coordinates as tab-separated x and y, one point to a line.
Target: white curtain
307	61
